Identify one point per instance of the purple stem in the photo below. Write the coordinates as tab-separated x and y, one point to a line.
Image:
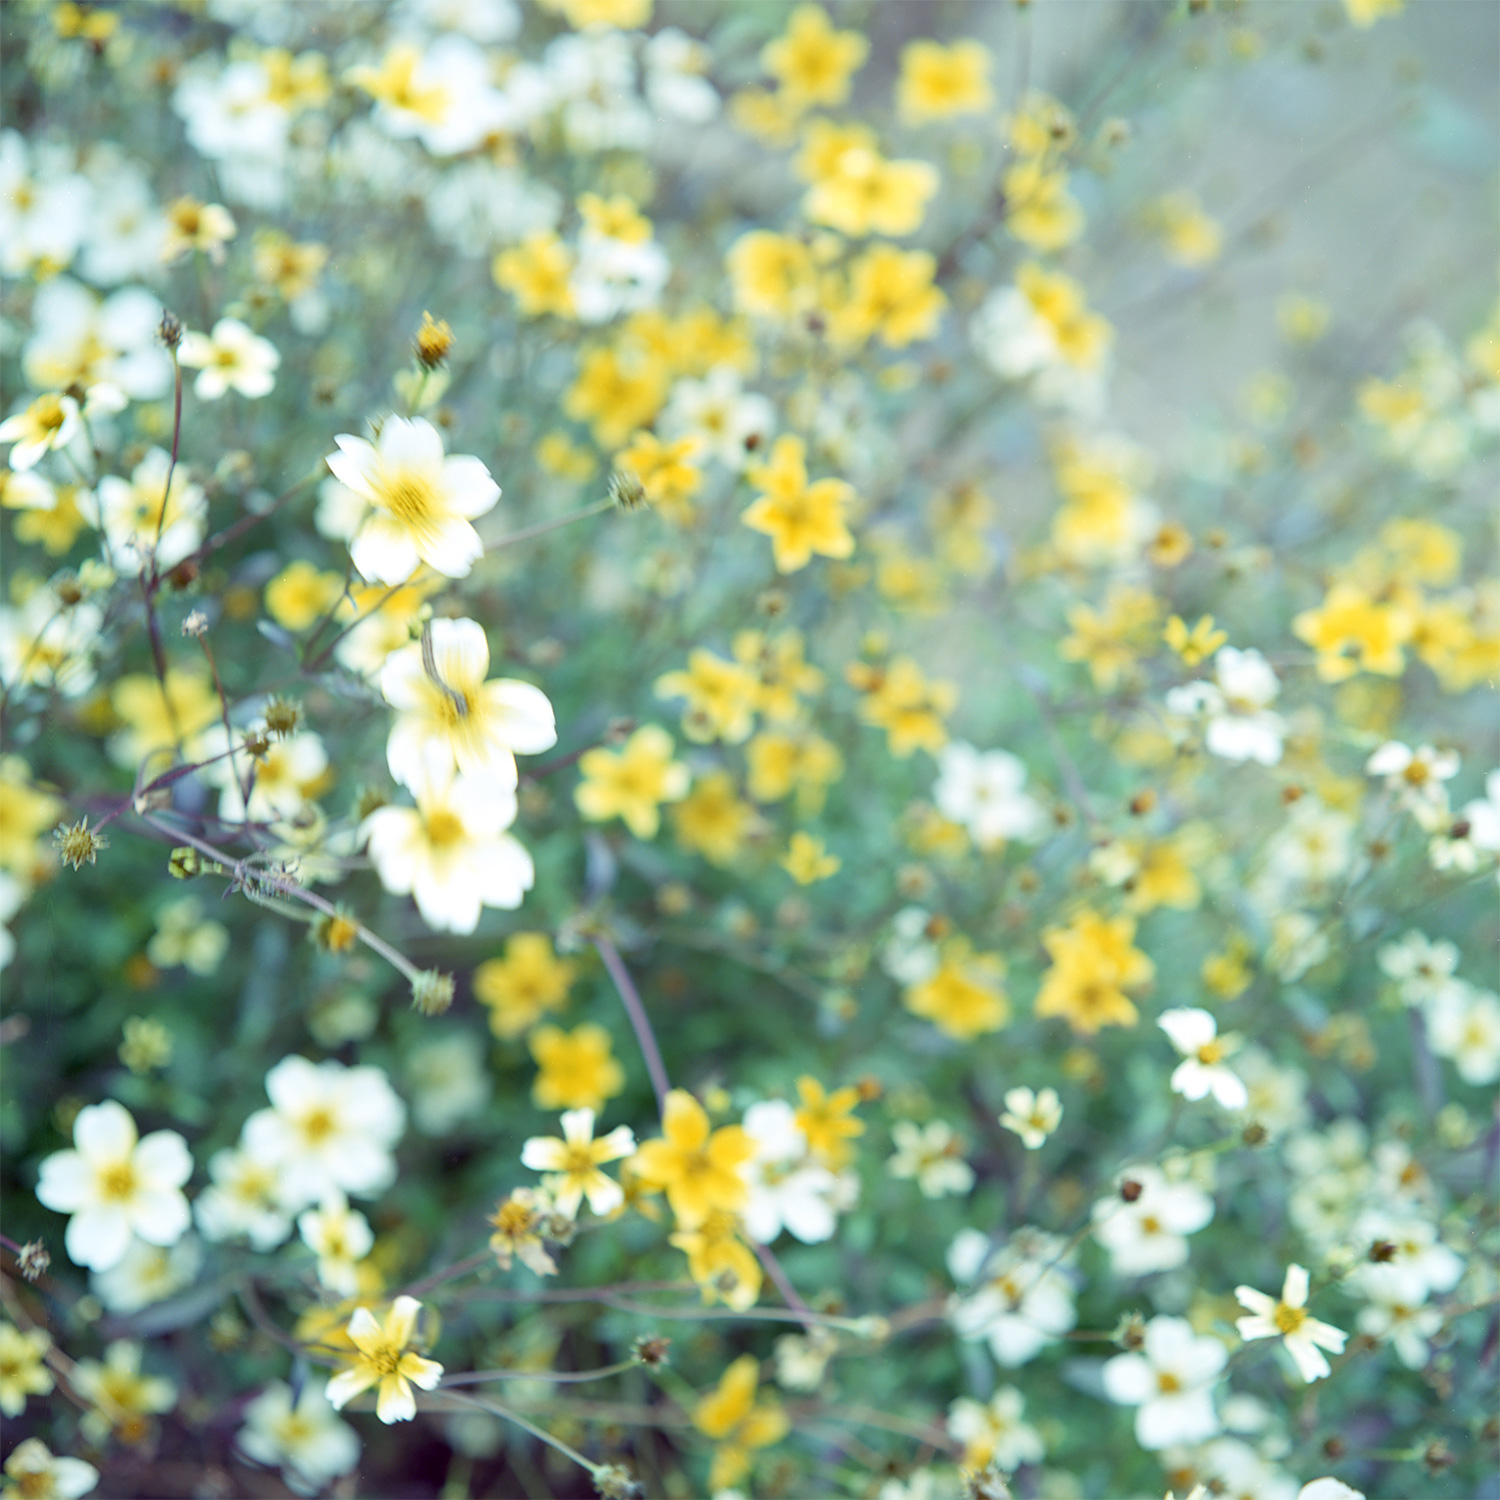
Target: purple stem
639	1020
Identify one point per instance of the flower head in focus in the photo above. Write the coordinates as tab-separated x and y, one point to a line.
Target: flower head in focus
1287	1318
382	1359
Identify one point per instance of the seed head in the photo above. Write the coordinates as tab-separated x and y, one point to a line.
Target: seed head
626	490
1130	1190
431	992
169	330
283	715
616	1483
1130	1332
195	624
32	1259
185	862
78	844
651	1349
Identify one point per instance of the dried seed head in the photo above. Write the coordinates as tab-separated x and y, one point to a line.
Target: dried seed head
1130	1332
433	342
195	624
615	1483
283	715
169	330
78	844
431	992
32	1259
651	1349
626	490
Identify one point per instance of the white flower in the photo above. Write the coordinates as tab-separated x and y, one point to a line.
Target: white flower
1022	1299
1232	1467
1464	1025
910	955
443	97
448	1081
1417	1263
139	518
732	424
483	20
1239	724
1408	1325
1032	1116
982	790
788	1190
1287	1319
232	113
147	1274
675	85
446	709
339	1236
49	643
422	501
281	781
1317	843
932	1154
593	78
241	1200
1146	1232
451	852
50	421
574	1162
305	1439
44	207
1483	816
114	1183
38	1474
329	1127
78	340
1416	777
1194	1033
1424	969
1168	1383
232	357
381	1359
802	1359
615	276
183	937
1328	1489
994	1432
125	227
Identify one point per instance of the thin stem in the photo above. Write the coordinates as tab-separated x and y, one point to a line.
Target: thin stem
639	1020
543	527
514	1416
790	1294
475	1262
166	493
557	1377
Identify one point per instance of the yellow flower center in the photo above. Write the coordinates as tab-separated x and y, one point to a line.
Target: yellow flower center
117	1182
443	828
317	1125
513	1219
47	413
1211	1052
1167	1382
409	499
1287	1318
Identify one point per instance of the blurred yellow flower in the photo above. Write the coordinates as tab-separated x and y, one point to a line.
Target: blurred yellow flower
578	1068
807	859
520	988
939	82
811	61
800	518
631	783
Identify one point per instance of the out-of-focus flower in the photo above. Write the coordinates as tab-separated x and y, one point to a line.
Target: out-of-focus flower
230	358
300	1435
1032	1116
1195	1034
1168	1383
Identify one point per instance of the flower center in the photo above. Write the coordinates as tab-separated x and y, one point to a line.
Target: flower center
1287	1318
1167	1382
1211	1052
409	499
317	1126
443	828
579	1161
117	1182
47	412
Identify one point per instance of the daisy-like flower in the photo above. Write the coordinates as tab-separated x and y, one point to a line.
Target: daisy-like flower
139	517
574	1163
340	1237
1239	723
36	1473
632	782
995	1432
422	502
982	790
22	1371
300	1434
382	1359
700	1171
1287	1318
788	1189
1032	1116
1144	1223
933	1155
451	852
1416	778
1195	1034
446	709
115	1184
232	357
1168	1383
49	422
800	518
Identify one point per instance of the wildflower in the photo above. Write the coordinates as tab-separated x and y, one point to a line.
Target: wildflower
1416	777
891	297
442	96
983	791
713	819
1193	645
1093	963
994	1432
1286	1318
722	698
720	1261
699	1171
911	707
1193	239
51	421
230	358
299	1434
1020	1298
446	710
36	1473
633	782
732	1417
423	502
520	1223
242	1199
665	471
788	1189
1168	1383
22	1371
524	985
301	594
329	1127
781	763
1194	1033
574	1163
857	191
1464	1025
1041	212
773	275
1240	725
1146	1230
813	63
115	1184
618	390
539	274
727	421
1110	640
827	1120
1032	1116
939	82
382	1359
78	844
451	851
964	996
193	225
339	1236
807	860
1349	622
147	1274
800	518
932	1154
578	1068
140	519
120	1397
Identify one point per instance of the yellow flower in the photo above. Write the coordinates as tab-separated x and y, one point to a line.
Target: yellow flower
631	783
731	1416
538	274
891	297
558	454
766	114
909	706
524	985
1350	632
713	820
26	813
614	218
963	998
382	1359
55	529
120	1398
395	84
783	671
22	1372
578	1068
939	82
1197	644
1040	211
618	389
1422	551
157	720
1192	238
1365	13
720	1261
722	698
856	190
800	518
807	860
1093	962
773	275
1102	519
811	61
1083	338
827	1120
666	472
290	268
1040	126
782	763
299	595
1110	640
698	1170
584	15
192	225
1228	974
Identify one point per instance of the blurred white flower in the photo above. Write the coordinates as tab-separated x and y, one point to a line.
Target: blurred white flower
241	1199
76	339
933	1155
304	1438
1020	1300
35	1471
1169	1383
232	357
788	1190
147	1273
1145	1222
982	790
1239	724
733	424
448	1083
44	207
1463	1025
1032	1116
1195	1034
340	1237
675	85
994	1431
140	519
